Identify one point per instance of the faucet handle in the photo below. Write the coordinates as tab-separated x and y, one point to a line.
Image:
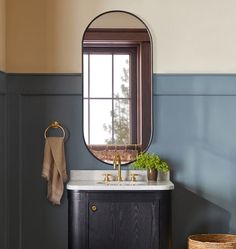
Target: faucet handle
133	177
106	177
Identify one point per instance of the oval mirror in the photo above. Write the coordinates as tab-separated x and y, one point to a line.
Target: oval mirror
117	86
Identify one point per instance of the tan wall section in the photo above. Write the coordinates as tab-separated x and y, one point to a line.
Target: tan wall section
43	36
189	36
2	34
117	20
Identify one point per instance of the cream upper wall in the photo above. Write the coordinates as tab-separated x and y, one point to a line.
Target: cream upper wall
2	35
189	36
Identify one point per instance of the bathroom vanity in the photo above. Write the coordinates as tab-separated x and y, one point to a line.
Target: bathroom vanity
126	215
121	213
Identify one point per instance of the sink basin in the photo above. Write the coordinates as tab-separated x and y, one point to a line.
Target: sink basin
123	183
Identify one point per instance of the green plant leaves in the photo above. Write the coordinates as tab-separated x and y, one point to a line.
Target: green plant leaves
150	161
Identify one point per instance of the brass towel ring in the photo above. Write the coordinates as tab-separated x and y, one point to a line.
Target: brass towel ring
54	125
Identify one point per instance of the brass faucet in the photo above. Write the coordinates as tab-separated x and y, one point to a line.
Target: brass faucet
117	163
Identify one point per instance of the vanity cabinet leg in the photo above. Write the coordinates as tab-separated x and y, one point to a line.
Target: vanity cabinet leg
76	221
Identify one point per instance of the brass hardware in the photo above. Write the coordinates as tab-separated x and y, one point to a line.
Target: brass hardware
54	125
94	208
117	163
133	177
106	177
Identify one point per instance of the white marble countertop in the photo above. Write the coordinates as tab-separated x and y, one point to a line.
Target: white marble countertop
93	181
128	186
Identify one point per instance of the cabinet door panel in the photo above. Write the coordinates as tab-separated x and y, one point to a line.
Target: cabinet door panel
123	225
102	227
138	225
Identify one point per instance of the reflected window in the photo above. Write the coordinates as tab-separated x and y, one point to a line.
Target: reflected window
110	85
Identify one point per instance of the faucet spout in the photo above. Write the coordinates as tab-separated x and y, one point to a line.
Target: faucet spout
117	163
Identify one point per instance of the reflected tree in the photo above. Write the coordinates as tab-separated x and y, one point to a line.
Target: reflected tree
119	130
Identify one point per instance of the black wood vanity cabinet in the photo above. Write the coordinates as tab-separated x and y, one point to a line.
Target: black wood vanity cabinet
119	219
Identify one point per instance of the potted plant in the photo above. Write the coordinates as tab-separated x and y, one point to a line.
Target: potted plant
152	163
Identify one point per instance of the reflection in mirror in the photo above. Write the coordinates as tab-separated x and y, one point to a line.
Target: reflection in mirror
117	86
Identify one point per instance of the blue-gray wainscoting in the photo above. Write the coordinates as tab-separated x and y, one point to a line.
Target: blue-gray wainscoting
194	130
3	201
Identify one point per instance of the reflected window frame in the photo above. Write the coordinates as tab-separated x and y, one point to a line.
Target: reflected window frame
132	51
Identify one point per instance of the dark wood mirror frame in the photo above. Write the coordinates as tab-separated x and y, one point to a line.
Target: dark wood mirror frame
119	39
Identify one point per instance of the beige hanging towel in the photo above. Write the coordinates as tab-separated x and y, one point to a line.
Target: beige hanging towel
54	168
